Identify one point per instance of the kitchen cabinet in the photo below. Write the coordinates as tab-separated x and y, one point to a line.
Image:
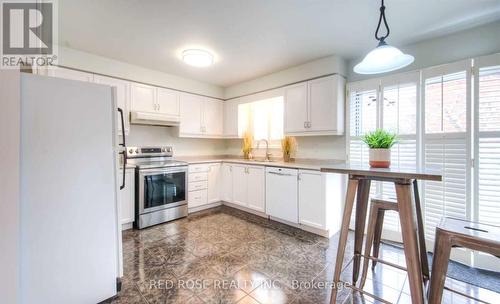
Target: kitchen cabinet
190	115
256	199
126	198
204	182
200	116
312	204
122	99
69	74
167	102
281	194
153	105
214	181
142	98
227	182
249	186
231	118
296	108
315	107
213	110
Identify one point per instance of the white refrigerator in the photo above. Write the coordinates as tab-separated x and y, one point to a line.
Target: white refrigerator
70	242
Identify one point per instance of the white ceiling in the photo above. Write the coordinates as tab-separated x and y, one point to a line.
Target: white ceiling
251	38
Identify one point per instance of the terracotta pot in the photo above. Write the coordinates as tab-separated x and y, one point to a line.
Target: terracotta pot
380	158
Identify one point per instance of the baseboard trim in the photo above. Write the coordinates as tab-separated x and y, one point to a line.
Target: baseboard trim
204	207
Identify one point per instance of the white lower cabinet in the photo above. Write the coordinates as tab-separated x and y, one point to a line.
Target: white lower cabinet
213	191
203	185
226	193
249	187
281	194
126	198
312	204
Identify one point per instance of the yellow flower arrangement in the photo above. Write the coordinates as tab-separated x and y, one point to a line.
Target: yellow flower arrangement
247	144
288	147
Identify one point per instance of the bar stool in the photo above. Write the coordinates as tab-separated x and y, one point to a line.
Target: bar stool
453	232
379	205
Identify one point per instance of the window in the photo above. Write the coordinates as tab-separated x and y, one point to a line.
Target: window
445	137
263	118
446	144
389	103
487	148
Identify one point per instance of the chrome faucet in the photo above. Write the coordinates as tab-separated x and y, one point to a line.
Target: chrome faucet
268	155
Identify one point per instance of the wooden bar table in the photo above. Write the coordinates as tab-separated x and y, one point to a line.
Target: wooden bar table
410	214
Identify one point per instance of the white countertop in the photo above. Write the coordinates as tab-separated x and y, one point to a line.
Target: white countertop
307	164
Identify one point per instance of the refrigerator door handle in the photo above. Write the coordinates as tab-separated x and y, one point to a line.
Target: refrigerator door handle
124	153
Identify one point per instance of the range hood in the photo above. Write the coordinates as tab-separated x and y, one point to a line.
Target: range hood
154	119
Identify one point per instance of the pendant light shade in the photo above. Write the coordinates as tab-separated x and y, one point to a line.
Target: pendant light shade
384	58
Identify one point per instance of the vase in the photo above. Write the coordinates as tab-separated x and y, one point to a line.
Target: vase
380	158
286	158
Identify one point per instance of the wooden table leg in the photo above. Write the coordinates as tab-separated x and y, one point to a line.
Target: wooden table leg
344	230
410	241
421	232
359	232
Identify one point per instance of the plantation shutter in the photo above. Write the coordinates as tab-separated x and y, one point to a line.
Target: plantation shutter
389	103
487	148
363	117
400	100
446	144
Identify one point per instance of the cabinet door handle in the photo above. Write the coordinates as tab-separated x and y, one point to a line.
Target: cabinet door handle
305	124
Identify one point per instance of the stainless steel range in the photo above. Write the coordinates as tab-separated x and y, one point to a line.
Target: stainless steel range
160	185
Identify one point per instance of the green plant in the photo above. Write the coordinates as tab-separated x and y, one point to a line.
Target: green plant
380	139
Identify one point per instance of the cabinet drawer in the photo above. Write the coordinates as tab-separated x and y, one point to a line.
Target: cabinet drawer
194	186
196	177
197	198
198	168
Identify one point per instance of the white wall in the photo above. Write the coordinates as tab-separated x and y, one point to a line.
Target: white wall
478	41
93	63
155	135
320	67
10	124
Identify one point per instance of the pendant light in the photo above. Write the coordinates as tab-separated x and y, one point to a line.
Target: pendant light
384	58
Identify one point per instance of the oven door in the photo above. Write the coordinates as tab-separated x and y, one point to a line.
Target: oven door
162	188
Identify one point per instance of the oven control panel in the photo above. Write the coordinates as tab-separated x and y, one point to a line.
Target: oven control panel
162	151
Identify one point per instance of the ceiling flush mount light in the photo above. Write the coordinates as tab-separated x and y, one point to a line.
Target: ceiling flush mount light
198	58
384	58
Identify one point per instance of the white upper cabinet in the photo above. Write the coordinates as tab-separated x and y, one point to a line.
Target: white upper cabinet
191	115
296	108
122	98
142	98
315	107
213	110
200	116
70	74
154	105
168	102
326	104
231	118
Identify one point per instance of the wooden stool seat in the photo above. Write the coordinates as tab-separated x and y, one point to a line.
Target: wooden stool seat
379	205
453	232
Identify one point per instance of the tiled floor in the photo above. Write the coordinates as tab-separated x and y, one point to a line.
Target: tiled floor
228	256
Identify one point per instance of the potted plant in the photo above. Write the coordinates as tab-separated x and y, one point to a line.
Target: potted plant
288	146
380	143
247	145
